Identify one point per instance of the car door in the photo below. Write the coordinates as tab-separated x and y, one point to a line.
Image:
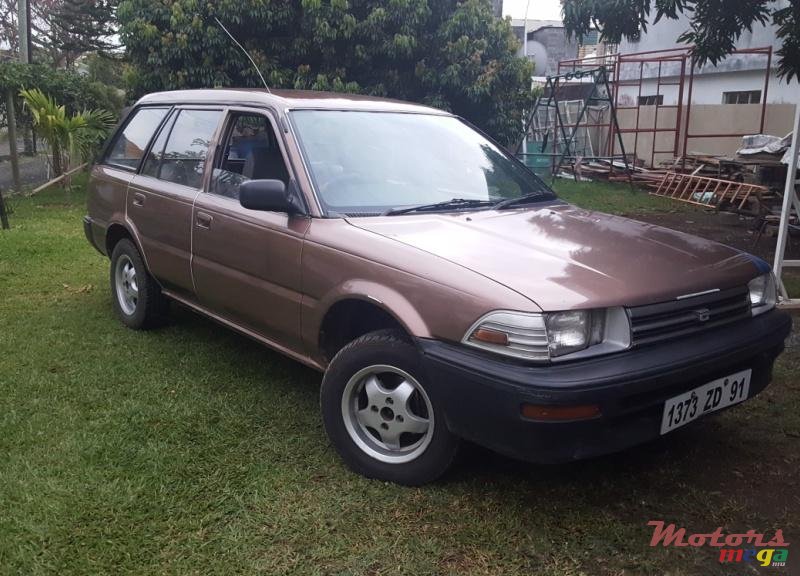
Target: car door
114	172
161	195
246	263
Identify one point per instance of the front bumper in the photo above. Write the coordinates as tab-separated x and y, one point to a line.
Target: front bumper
482	394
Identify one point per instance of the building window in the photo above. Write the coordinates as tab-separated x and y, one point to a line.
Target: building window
653	100
742	97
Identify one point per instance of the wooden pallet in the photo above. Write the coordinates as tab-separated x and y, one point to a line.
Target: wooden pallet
708	192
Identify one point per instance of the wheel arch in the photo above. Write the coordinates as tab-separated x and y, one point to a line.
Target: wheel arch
117	231
355	313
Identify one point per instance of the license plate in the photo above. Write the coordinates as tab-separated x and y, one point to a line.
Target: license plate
707	398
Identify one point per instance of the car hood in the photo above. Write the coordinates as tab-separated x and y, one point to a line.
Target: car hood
563	257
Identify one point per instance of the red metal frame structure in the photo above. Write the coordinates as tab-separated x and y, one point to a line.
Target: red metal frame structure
681	57
766	51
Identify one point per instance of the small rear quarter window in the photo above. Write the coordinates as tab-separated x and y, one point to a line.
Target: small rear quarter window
131	143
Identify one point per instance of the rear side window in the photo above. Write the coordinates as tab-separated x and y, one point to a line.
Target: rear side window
179	153
131	143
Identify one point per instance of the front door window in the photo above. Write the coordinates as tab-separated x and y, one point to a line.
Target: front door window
250	152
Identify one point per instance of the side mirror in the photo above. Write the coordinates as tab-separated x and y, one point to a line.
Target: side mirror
265	195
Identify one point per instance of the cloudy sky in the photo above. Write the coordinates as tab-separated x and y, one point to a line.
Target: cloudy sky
538	10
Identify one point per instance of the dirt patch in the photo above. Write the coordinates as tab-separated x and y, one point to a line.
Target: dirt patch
726	227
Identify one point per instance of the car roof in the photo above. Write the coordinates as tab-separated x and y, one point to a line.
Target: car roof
286	100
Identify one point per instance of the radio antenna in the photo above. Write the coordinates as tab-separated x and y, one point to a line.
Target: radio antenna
245	53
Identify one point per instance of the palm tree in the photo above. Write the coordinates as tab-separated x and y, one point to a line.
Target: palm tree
68	137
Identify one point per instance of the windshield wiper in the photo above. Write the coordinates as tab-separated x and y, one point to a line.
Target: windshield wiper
512	202
452	203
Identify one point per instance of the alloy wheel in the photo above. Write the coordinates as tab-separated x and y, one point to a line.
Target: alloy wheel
126	286
387	414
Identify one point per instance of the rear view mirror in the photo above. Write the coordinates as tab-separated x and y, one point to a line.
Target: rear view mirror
265	195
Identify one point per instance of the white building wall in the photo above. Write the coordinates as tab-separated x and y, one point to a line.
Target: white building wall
665	33
708	88
734	73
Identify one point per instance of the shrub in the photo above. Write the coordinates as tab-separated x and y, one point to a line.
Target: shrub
69	137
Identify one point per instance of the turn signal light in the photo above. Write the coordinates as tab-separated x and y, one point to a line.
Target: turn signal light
556	413
490	336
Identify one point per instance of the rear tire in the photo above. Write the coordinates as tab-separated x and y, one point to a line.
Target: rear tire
137	297
383	415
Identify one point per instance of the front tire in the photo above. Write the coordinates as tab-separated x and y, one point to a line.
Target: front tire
381	413
137	297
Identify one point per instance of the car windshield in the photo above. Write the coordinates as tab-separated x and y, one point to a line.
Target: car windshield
368	163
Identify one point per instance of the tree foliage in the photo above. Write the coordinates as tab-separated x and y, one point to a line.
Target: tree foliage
86	25
714	25
76	91
69	137
62	30
446	53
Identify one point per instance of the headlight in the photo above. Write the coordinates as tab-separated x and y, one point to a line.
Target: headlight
551	335
763	293
573	330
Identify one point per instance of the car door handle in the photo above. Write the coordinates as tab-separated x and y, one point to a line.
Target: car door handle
138	199
203	220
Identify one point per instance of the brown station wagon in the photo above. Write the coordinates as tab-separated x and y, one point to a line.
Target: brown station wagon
443	289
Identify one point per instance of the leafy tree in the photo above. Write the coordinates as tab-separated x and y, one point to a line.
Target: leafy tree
714	25
76	91
108	69
452	54
69	137
62	30
86	25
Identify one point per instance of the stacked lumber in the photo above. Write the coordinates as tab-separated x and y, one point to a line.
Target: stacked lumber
717	168
614	171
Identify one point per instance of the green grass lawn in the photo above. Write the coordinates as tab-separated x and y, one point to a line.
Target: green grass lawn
192	450
614	198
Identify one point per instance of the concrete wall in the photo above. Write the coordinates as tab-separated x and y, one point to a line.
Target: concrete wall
519	33
705	119
497	8
556	46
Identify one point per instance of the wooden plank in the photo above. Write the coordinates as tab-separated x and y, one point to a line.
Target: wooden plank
57	179
725	192
691	195
746	196
705	191
679	183
663	183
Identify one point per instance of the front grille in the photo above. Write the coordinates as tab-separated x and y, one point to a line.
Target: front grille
666	320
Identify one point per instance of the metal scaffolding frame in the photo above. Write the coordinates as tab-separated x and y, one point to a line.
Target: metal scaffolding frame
632	69
567	131
790	200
